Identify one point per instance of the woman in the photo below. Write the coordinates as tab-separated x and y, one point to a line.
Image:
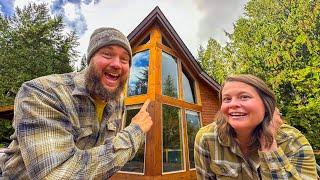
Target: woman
248	140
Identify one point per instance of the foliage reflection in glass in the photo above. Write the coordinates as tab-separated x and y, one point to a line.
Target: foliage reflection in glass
137	163
138	80
193	125
169	75
172	154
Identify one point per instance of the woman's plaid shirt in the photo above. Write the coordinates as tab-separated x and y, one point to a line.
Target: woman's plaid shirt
215	159
58	136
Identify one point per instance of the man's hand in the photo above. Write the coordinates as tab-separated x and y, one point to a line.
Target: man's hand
143	118
275	124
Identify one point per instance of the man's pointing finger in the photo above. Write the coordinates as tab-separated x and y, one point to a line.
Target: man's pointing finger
145	105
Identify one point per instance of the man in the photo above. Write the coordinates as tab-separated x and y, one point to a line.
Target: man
68	126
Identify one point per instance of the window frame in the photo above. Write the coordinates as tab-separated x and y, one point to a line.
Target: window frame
183	142
186	131
131	107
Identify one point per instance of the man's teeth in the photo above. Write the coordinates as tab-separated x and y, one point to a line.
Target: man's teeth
112	74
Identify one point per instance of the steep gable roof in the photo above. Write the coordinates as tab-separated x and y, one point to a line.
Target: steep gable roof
157	17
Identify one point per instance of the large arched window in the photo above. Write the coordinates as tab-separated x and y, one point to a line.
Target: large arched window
176	80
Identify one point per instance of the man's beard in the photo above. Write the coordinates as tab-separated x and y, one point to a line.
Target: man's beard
95	88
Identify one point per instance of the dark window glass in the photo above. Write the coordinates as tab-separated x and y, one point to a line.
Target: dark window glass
146	40
188	89
193	125
138	80
165	42
172	154
169	75
137	163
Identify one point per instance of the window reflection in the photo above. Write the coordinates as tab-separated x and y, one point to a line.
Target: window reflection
193	125
188	89
137	163
172	154
138	80
169	75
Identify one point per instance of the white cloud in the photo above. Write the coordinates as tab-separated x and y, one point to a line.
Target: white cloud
70	11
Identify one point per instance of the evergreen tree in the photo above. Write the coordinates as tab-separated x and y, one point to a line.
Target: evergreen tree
32	44
213	61
279	41
83	64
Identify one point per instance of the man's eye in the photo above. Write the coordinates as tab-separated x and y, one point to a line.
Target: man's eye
124	59
107	54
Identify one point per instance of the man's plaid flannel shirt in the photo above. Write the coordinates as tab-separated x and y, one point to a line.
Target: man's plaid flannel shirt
58	136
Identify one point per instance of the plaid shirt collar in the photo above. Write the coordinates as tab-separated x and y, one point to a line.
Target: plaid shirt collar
253	157
281	137
80	85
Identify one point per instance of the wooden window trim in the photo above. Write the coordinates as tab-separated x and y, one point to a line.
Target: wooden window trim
183	143
138	106
141	48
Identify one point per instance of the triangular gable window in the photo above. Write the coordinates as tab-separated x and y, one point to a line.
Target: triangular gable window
165	42
146	40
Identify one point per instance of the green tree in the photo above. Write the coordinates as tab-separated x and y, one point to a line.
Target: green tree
213	61
279	41
83	63
32	44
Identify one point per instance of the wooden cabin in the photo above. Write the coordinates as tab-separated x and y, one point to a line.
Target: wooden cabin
184	98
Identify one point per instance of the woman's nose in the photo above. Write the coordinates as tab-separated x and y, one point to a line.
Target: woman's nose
235	103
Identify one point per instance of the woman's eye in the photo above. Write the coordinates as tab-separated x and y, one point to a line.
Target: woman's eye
244	97
226	99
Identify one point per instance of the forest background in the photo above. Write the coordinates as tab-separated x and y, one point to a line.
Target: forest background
278	41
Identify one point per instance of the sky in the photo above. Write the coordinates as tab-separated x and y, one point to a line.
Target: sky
195	21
